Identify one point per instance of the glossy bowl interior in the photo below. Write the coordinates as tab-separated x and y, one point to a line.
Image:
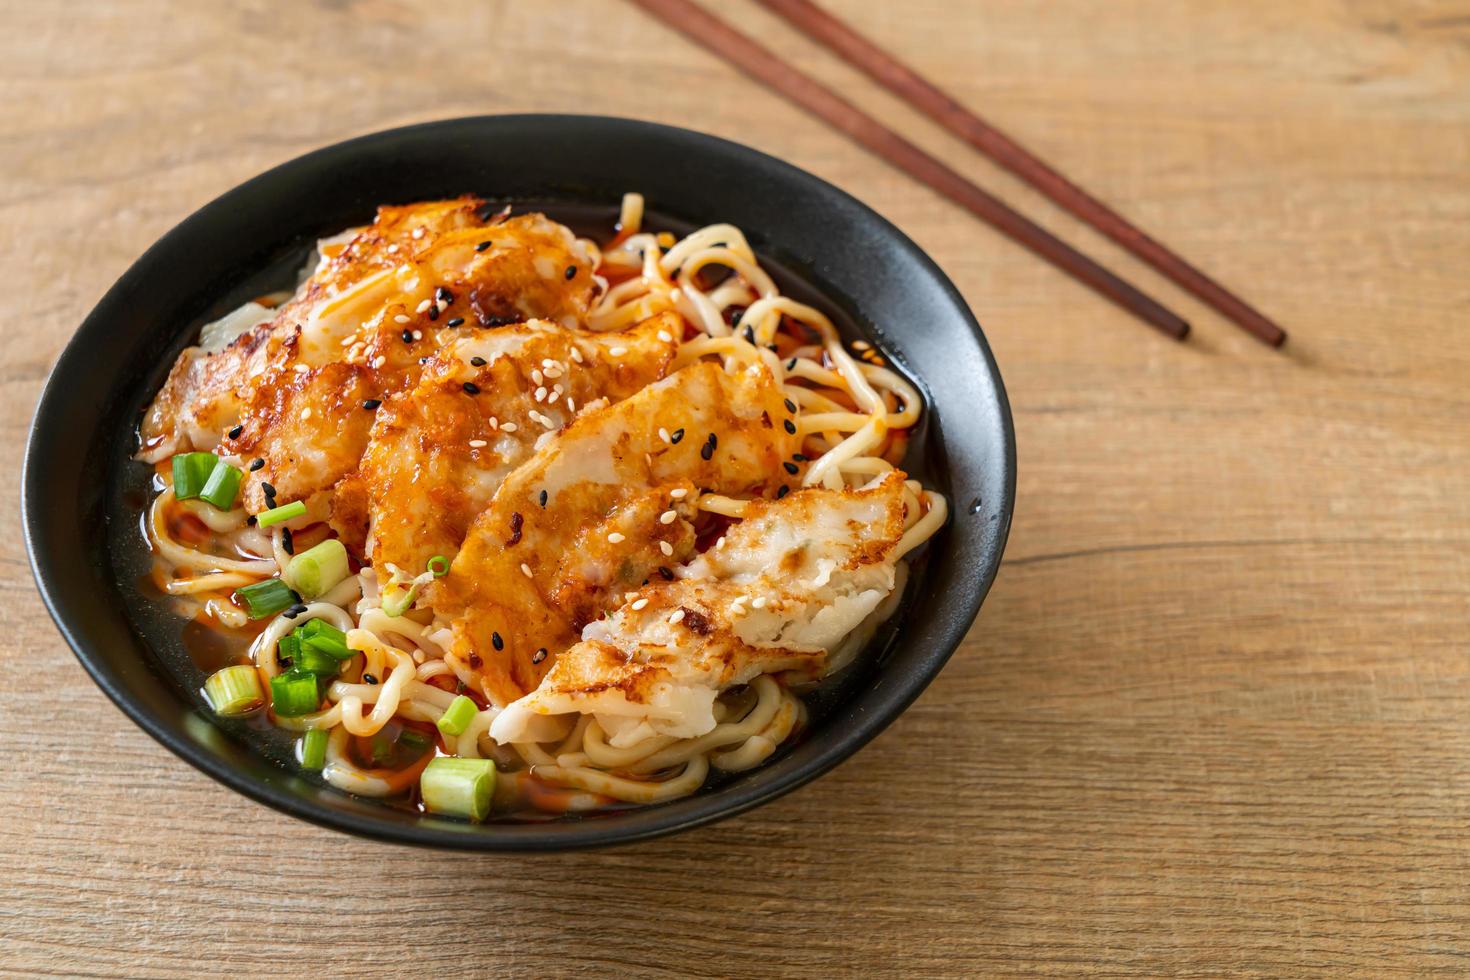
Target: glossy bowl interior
82	491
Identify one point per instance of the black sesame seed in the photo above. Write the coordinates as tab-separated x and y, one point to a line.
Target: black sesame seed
235	432
256	464
471	387
477	361
791	406
571	272
543	498
707	450
443	295
294	611
791	468
482	246
789	426
666	573
456	322
791	364
749	334
407	336
369	679
676	435
496	641
250	521
782	491
267	489
538	656
799	457
372	404
433	313
288	544
713	440
735	320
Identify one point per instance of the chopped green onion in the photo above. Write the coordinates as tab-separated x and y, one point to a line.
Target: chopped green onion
439	565
191	472
382	746
457	716
222	486
458	787
317	569
234	690
276	515
315	661
314	749
295	693
399	602
266	598
325	637
415	741
288	648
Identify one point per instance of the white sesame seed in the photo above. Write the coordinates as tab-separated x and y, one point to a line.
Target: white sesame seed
666	548
667	517
628	596
402	318
494	423
663	434
547	362
555	370
677	617
617	351
392	248
536	377
424	306
525	570
543	420
442	305
305	414
347	341
508	427
418	232
679	493
759	602
639	604
379	361
720	543
665	336
571	405
737	610
616	538
477	443
576	355
540	395
740	600
418	335
551	399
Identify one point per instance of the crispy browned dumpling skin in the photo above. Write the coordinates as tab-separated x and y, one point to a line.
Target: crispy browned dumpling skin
438	452
607	480
357	329
791	580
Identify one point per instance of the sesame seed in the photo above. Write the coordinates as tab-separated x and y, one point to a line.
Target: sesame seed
422	307
456	322
791	468
576	355
267	489
790	405
571	404
418	335
663	434
407	336
478	361
571	272
379	361
391	249
471	387
666	548
538	656
679	493
418	232
508	427
667	517
676	435
543	498
369	679
759	602
235	432
782	491
617	351
639	604
496	641
720	543
257	464
749	334
402	318
707	450
477	443
616	538
536	377
665	336
494	423
677	617
525	570
306	413
666	573
799	457
482	246
434	312
789	426
540	394
555	394
737	610
791	364
543	420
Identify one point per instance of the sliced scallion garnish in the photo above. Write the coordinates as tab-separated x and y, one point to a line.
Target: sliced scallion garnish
458	787
234	690
276	515
222	486
266	598
323	636
191	472
457	716
314	749
314	661
295	693
319	568
439	565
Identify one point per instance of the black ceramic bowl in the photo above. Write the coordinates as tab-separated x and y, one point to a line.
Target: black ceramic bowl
80	488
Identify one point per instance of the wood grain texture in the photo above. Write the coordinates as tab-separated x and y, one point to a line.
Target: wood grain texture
1215	717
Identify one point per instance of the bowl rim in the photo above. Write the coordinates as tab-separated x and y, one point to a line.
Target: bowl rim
627	827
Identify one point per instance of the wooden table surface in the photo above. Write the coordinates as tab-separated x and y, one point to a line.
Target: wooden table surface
1214	718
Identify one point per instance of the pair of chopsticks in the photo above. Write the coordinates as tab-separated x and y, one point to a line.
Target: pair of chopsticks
711	32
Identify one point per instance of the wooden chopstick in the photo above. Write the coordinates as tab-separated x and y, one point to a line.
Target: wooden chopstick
709	31
922	94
